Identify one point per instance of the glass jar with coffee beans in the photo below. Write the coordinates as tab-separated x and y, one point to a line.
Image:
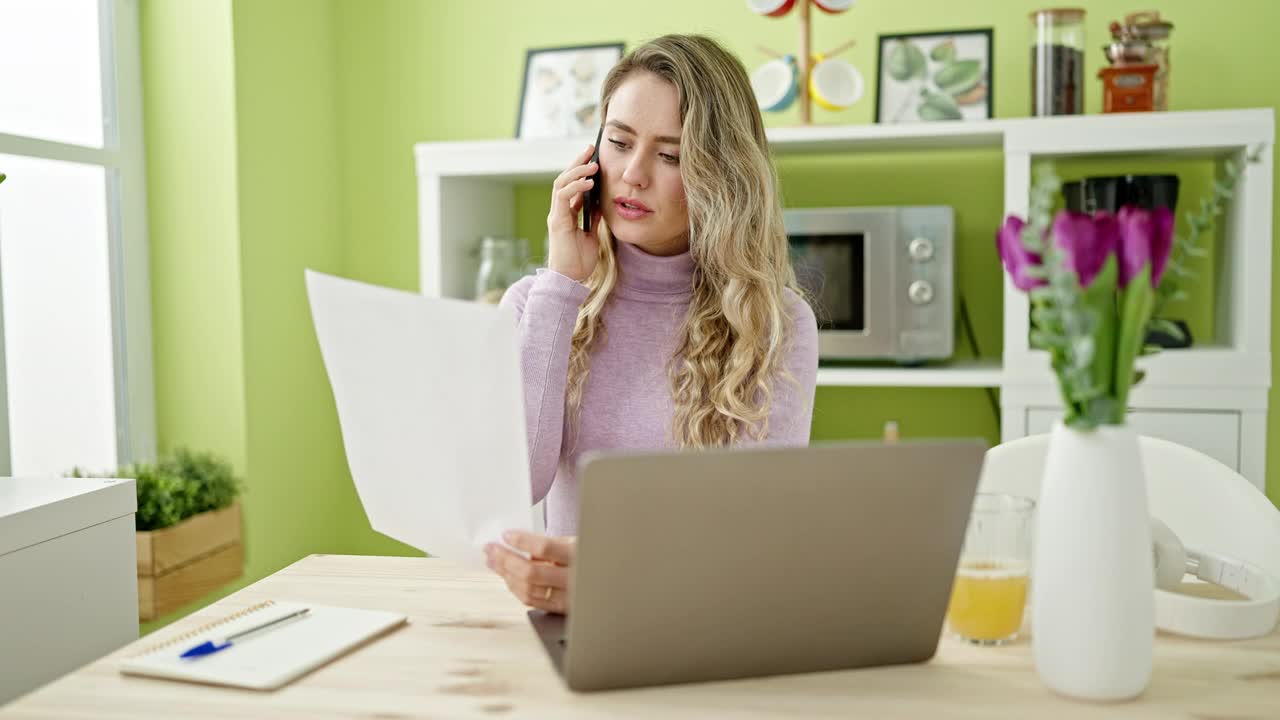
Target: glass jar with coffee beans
1057	62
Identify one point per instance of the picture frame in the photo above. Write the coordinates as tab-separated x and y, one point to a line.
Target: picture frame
934	76
560	94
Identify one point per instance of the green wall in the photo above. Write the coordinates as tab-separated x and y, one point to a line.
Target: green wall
245	185
280	137
194	231
188	76
290	218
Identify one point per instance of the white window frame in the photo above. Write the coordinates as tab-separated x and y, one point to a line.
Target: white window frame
122	157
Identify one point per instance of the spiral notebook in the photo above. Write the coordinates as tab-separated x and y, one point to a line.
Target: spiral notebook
271	658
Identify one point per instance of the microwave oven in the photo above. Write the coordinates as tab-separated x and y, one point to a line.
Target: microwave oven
880	280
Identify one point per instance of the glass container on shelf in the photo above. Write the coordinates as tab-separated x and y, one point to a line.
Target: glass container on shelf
503	261
1057	62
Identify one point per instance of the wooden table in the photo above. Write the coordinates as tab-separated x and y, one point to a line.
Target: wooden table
468	651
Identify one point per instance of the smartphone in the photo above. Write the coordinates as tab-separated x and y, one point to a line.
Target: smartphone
591	198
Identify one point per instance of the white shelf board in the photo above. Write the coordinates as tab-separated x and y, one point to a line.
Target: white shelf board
1198	132
874	138
968	373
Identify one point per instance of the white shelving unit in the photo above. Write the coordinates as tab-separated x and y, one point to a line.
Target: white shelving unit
1212	397
969	373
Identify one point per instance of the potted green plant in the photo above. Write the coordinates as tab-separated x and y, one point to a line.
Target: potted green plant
1098	284
188	528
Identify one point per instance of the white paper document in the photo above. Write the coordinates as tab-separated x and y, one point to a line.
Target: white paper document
432	413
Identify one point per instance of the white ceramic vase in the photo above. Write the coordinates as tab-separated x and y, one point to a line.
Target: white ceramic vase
1092	604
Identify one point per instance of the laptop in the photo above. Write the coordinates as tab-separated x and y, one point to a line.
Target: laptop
723	564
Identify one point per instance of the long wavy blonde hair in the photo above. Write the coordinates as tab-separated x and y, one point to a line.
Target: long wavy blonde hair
735	336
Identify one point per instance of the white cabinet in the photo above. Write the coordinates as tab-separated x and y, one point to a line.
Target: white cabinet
68	576
466	191
1216	434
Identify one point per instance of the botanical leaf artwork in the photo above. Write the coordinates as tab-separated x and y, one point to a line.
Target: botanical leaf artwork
958	76
932	79
937	106
906	62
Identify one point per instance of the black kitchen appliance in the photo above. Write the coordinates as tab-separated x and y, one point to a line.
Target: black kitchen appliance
1113	192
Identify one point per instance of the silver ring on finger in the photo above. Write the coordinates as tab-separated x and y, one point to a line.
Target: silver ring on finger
547	595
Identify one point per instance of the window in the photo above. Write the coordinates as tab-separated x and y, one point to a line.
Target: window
75	341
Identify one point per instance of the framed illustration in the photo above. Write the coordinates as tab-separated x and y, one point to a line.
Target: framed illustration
928	77
561	92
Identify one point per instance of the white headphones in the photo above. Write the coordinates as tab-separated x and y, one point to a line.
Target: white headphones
1206	617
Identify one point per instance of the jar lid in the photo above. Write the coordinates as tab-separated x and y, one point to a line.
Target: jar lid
1150	31
1068	14
1147	25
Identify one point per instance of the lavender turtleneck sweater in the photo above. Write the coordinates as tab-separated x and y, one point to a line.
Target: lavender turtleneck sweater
626	402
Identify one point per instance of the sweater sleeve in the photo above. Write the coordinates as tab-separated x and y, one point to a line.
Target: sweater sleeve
792	411
546	308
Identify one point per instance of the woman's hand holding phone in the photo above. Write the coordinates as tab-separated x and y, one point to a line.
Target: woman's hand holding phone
572	251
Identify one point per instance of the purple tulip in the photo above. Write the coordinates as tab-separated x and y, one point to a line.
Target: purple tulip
1145	236
1087	241
1018	260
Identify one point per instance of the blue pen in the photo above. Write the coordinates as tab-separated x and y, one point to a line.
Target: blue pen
212	646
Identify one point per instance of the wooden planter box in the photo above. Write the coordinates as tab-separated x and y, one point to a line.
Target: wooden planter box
187	561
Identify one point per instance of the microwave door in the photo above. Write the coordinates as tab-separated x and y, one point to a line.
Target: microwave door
879	337
831	269
847	278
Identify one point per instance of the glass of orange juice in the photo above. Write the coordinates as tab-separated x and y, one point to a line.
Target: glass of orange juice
990	590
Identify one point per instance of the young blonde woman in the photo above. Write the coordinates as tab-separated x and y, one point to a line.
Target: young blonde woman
676	323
